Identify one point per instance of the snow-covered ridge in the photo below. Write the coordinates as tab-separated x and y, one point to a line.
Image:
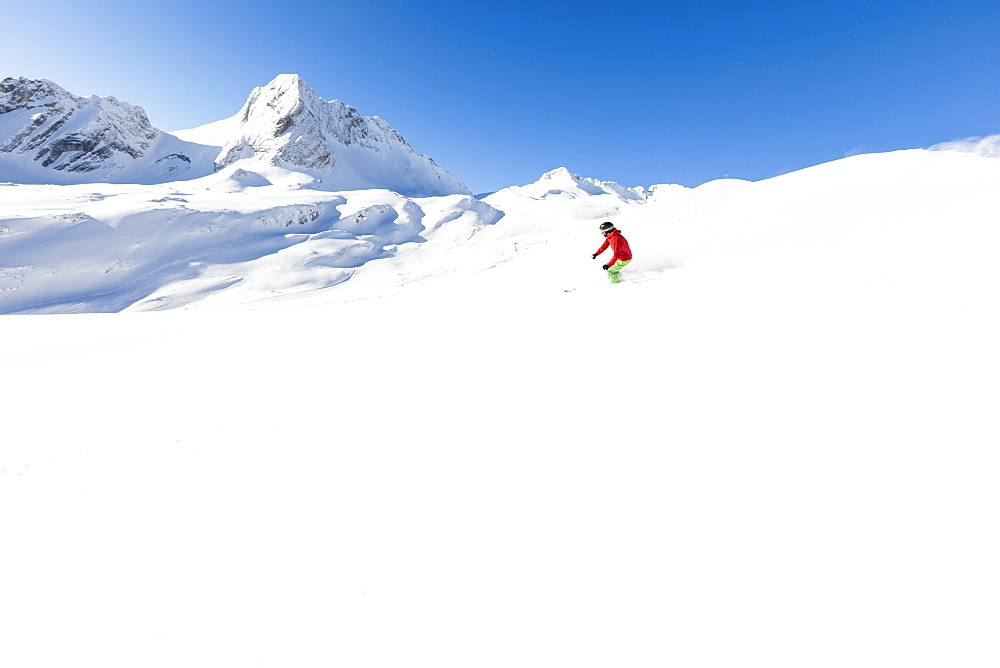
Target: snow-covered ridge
48	135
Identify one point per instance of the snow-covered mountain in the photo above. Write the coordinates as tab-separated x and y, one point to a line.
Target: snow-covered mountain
48	135
285	133
285	124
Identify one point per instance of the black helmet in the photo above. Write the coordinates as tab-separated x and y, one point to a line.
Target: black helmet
606	227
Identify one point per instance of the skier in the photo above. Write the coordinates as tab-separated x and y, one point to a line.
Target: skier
622	254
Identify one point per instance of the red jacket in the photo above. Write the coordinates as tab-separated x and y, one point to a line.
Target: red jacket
618	245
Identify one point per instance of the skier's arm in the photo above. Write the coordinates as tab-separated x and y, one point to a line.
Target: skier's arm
603	247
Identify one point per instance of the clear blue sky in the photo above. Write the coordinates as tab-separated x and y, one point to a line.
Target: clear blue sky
500	92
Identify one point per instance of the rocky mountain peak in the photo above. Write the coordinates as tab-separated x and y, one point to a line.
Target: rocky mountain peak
288	106
67	133
279	102
287	125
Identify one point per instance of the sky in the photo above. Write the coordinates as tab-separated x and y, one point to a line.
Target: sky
498	93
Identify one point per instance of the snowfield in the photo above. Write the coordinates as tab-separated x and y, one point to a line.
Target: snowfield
361	429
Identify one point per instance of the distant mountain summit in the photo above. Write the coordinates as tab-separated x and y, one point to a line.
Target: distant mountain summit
560	183
48	135
286	124
561	180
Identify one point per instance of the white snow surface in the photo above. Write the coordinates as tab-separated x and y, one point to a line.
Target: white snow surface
773	444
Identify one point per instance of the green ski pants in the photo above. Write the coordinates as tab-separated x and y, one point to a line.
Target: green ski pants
615	268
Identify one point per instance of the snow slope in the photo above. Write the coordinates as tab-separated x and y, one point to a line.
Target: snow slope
774	445
235	237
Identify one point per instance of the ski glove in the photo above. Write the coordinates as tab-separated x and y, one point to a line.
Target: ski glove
605	267
594	256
